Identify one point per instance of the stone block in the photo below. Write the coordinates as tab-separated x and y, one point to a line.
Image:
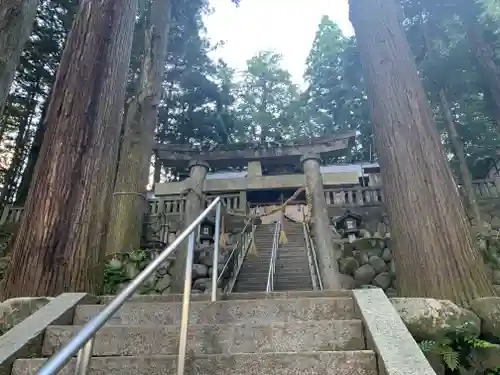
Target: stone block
217	339
325	363
387	335
25	339
428	318
242	311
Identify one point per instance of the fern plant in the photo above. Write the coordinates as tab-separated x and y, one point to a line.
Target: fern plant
455	347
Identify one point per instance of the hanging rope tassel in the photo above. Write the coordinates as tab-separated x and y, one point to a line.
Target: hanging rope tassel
222	238
282	240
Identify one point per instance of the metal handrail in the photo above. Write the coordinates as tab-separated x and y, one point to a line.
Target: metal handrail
312	272
233	252
272	262
315	258
84	340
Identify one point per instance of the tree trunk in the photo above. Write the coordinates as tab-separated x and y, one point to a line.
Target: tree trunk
485	54
460	154
28	172
432	235
19	149
129	202
65	216
16	22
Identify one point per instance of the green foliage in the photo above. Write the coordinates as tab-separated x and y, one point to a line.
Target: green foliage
335	99
115	269
455	348
495	371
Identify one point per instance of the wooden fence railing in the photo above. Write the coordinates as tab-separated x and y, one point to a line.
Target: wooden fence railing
353	196
486	188
349	196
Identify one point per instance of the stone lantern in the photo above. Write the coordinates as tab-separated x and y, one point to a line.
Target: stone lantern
350	224
207	229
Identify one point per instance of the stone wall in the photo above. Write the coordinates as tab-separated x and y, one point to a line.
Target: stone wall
123	268
368	261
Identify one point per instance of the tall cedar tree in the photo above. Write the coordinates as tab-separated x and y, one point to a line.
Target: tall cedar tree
16	23
129	203
68	203
458	149
436	255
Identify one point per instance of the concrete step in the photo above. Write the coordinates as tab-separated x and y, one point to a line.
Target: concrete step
234	296
324	363
217	339
220	312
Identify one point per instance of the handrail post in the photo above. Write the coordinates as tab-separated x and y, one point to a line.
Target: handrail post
185	304
216	252
89	329
84	357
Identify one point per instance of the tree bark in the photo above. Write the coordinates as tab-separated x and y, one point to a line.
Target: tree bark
485	57
68	204
460	154
129	202
29	171
432	235
16	22
197	173
22	136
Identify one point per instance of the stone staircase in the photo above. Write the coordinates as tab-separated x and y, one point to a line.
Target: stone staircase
254	334
292	266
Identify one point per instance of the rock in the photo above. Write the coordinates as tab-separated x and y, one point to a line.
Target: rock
347	282
131	271
163	283
378	264
15	310
361	257
488	309
382	280
428	318
206	259
150	283
348	266
378	236
364	274
495	222
381	228
200	271
387	255
121	287
114	264
162	271
229	240
171	237
436	362
482	244
363	233
367	244
391	293
202	284
483	359
368	286
496	277
167	291
143	264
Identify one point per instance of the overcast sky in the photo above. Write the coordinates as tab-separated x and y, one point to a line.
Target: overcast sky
272	24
